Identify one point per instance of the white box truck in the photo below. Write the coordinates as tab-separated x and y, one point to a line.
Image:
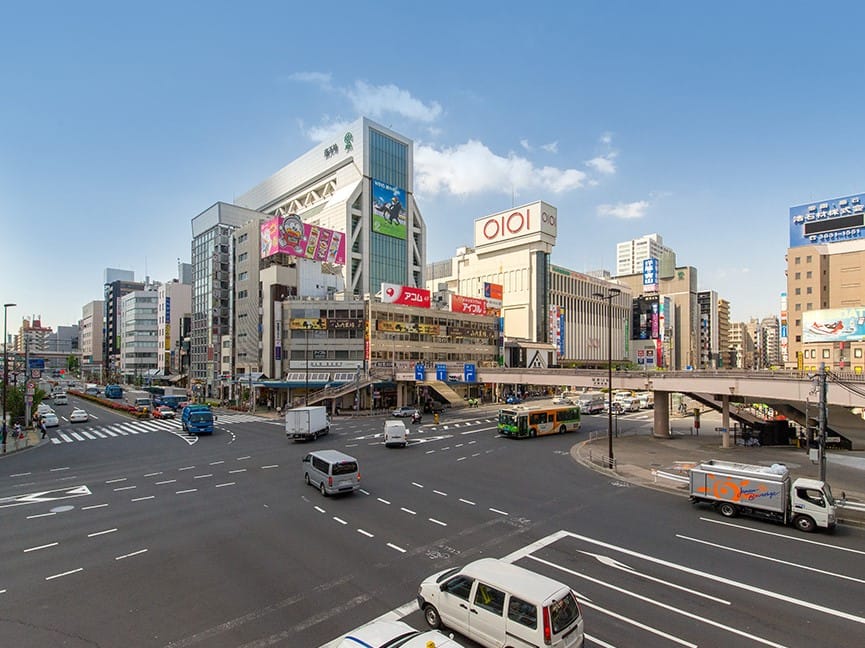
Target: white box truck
763	491
306	422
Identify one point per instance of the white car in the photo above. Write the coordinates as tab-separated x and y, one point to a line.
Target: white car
562	400
50	420
78	416
394	634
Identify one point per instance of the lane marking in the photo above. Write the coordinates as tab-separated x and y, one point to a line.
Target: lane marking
393	546
366	533
319	509
461	459
45	546
72	571
497	511
408	511
434	521
270	466
465	501
59	469
114	481
383	501
783	535
94	506
225	484
340	520
20	474
39	515
236	470
153	474
185	468
416	484
216	463
99	533
123	488
141	499
188	490
129	555
440	493
203	476
165	481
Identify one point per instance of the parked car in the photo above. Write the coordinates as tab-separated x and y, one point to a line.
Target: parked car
394	634
163	412
78	415
405	411
50	420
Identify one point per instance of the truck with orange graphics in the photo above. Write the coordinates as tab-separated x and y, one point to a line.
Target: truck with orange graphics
763	491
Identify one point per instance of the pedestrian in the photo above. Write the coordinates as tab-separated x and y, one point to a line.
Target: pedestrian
43	428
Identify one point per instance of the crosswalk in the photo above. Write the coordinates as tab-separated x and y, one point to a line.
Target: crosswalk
129	428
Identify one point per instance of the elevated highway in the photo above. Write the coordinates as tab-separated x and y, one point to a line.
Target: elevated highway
791	392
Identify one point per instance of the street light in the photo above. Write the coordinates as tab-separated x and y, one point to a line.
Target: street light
608	297
5	369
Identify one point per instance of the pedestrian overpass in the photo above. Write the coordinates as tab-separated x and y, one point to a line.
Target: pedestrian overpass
792	393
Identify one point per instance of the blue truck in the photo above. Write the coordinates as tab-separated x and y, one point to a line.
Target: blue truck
197	419
113	391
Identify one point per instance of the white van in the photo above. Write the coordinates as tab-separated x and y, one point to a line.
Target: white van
60	399
395	434
331	471
496	603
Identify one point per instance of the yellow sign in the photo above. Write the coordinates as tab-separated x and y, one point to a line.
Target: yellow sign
390	326
307	324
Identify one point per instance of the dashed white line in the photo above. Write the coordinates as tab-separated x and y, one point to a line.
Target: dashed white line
166	481
393	546
99	533
270	466
203	476
188	490
383	501
465	501
498	511
59	469
439	522
45	546
409	511
20	475
242	458
320	510
123	488
216	463
225	484
462	459
236	470
416	484
39	515
153	474
429	451
94	506
365	492
185	468
440	493
141	499
114	481
366	533
340	520
72	571
129	555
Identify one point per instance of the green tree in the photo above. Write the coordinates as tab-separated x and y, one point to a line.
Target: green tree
72	363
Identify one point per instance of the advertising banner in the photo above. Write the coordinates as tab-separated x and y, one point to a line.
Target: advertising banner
493	295
645	318
389	326
405	295
277	331
650	275
290	235
834	325
828	221
470	305
389	209
307	324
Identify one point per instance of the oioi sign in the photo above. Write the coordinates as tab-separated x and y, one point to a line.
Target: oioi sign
537	219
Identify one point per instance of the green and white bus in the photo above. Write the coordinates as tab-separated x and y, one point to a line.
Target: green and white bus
520	421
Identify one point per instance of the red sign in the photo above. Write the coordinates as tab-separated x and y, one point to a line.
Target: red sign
470	305
405	295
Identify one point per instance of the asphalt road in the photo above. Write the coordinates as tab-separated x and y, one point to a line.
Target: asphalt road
152	538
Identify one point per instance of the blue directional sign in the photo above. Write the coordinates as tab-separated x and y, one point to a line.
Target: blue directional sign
36	363
441	372
470	373
419	372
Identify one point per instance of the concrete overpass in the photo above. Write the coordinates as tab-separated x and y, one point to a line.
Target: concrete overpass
790	392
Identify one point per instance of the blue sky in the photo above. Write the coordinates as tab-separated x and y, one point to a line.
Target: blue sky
702	122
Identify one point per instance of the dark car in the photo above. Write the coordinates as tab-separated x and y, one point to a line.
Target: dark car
433	407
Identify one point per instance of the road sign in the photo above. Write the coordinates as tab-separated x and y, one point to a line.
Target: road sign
419	372
35	373
470	374
442	372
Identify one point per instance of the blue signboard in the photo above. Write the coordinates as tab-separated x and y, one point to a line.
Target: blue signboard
36	363
441	372
470	373
828	221
419	372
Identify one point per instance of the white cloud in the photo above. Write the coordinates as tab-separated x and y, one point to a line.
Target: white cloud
624	211
325	131
473	168
552	147
317	78
603	164
525	144
606	138
376	101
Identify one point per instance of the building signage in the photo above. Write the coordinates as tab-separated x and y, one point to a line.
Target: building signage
339	323
465	331
537	218
277	331
389	209
290	235
470	373
405	295
493	295
646	318
553	324
419	372
828	221
36	363
650	275
468	305
390	326
834	325
441	372
307	324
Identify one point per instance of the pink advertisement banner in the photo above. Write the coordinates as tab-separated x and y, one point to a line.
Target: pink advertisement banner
290	235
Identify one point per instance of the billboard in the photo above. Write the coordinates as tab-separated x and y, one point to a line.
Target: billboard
389	209
828	221
290	235
834	325
650	275
646	318
493	295
405	295
538	220
470	305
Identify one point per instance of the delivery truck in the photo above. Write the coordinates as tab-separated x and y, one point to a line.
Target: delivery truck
763	491
306	423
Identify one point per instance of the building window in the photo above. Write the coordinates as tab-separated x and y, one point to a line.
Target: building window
807	274
242	238
243	276
242	256
798	276
797	260
808	259
808	290
798	291
242	294
857	353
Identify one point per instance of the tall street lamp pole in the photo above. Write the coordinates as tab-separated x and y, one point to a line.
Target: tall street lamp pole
306	357
608	297
5	369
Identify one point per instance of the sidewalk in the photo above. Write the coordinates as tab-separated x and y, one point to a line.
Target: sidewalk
662	463
32	438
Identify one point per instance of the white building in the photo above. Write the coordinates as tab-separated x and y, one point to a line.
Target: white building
631	254
138	334
174	301
90	331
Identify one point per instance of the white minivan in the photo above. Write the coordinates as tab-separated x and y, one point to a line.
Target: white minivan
395	434
496	603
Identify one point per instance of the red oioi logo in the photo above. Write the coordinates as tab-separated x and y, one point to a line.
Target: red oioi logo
514	223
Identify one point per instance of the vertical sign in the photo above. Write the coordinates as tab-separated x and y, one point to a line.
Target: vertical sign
168	323
442	372
555	332
650	275
562	334
277	330
419	372
470	373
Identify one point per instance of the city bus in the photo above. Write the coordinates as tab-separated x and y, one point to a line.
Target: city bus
521	421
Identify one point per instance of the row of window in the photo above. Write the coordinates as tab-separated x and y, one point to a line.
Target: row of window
493	600
827	353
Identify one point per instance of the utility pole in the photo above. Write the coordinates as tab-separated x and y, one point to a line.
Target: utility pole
821	413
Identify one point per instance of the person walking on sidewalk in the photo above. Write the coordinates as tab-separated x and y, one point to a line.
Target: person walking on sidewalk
43	428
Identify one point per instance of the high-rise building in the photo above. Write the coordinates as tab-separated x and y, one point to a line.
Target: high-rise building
138	334
32	335
212	272
631	254
174	301
725	357
741	346
825	299
116	283
91	327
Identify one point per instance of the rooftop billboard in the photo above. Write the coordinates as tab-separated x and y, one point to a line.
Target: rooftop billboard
828	221
388	209
834	325
290	235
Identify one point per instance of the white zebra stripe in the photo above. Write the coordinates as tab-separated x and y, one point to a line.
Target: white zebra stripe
75	435
64	437
88	435
97	433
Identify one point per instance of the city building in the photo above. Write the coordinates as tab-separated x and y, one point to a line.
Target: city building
91	332
64	340
138	335
212	273
725	358
174	301
117	283
707	302
630	256
741	346
32	336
